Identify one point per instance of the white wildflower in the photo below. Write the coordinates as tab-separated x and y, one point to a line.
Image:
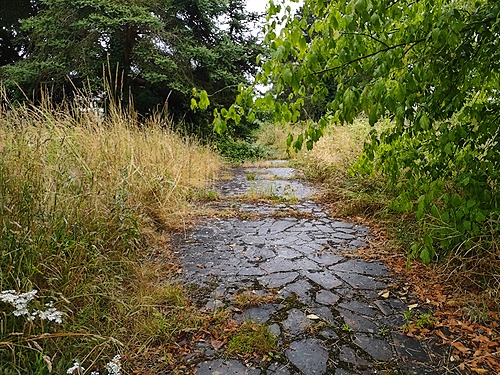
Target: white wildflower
51	314
20	302
76	367
114	367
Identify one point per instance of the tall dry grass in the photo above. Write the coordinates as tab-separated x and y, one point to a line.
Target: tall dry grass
83	199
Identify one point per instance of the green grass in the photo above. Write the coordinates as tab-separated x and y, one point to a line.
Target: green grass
252	339
251	176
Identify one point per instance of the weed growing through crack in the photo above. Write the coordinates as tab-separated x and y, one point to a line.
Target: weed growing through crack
250	298
421	320
425	320
252	339
346	328
271	192
384	332
407	315
251	176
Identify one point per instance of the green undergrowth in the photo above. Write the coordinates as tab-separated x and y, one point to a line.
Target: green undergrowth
240	150
85	200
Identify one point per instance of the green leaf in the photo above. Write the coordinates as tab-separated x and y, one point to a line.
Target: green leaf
289	140
480	216
426	255
194	104
298	143
204	101
219	125
360	6
424	121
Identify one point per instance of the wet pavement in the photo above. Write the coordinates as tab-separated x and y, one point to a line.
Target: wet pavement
332	313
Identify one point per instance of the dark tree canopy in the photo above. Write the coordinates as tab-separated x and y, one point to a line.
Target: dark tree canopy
12	46
161	48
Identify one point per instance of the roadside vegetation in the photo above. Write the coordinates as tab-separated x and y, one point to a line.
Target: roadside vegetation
460	289
86	206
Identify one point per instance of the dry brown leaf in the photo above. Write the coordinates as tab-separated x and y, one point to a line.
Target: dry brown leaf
441	334
491	361
217	344
479	370
461	347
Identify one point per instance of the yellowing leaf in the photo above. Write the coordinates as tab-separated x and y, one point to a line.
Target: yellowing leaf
479	370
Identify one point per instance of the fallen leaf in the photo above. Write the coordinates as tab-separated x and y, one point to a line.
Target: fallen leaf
313	317
441	334
479	370
385	295
199	265
217	344
458	345
413	306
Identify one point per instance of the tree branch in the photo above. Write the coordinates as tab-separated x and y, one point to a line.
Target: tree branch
369	55
368	35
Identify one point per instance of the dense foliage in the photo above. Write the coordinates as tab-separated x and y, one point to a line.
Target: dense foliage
433	67
157	49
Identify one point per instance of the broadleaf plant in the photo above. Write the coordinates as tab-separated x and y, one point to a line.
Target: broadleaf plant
432	67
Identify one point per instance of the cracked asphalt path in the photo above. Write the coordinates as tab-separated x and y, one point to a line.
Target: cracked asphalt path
332	314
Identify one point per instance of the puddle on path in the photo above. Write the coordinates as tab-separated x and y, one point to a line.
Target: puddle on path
329	315
276	181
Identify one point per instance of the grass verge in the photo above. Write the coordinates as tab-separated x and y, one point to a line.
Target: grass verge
86	204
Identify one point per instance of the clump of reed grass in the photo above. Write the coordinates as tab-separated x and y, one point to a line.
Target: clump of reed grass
84	197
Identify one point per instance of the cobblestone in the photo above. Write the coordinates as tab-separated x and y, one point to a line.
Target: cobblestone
295	249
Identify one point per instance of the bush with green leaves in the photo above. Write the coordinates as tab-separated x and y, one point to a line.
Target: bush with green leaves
431	67
240	150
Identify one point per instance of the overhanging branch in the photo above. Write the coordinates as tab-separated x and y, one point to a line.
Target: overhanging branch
341	66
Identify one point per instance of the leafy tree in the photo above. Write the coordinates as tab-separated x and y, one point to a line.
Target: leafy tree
431	66
161	49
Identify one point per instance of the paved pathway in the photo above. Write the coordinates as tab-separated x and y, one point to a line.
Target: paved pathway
331	315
